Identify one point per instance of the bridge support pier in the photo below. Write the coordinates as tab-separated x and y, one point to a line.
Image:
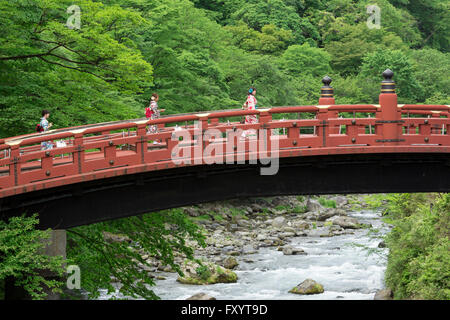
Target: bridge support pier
56	247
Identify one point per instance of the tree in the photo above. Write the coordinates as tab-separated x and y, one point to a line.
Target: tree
183	44
304	59
116	249
433	18
431	66
258	13
22	257
408	89
271	40
47	65
354	42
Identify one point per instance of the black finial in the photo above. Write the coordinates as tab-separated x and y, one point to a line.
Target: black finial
388	74
388	85
326	81
327	90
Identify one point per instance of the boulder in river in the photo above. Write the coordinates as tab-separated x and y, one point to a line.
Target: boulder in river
201	296
345	222
314	205
278	222
289	250
340	200
208	273
230	263
308	286
326	214
382	244
385	294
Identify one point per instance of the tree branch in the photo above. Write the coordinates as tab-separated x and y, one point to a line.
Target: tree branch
73	68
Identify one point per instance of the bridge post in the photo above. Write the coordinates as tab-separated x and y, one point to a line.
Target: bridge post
15	166
323	129
327	98
80	155
390	114
264	119
142	143
202	140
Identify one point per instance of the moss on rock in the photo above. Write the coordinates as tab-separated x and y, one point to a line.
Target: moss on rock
308	286
214	274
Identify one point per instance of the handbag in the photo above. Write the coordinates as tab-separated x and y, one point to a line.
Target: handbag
148	112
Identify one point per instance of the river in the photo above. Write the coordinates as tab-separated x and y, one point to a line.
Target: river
349	266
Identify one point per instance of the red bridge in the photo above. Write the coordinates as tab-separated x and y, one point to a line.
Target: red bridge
112	170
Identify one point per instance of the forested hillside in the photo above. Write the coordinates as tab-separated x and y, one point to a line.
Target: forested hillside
204	54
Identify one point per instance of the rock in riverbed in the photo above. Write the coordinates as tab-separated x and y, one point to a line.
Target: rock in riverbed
308	286
385	294
288	251
278	222
230	263
345	222
201	296
209	273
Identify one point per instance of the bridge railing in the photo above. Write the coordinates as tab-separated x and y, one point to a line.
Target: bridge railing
99	151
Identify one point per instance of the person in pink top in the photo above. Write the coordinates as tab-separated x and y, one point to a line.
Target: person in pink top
250	104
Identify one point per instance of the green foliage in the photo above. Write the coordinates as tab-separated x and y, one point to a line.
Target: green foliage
430	66
203	272
304	59
354	42
22	256
408	88
300	209
160	235
271	40
327	203
88	75
432	17
258	13
419	257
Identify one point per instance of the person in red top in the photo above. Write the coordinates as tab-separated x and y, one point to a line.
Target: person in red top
250	104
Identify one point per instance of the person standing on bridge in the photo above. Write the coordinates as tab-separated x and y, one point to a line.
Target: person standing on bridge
250	104
45	126
152	113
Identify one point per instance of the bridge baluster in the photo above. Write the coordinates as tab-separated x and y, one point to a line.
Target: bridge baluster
390	114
